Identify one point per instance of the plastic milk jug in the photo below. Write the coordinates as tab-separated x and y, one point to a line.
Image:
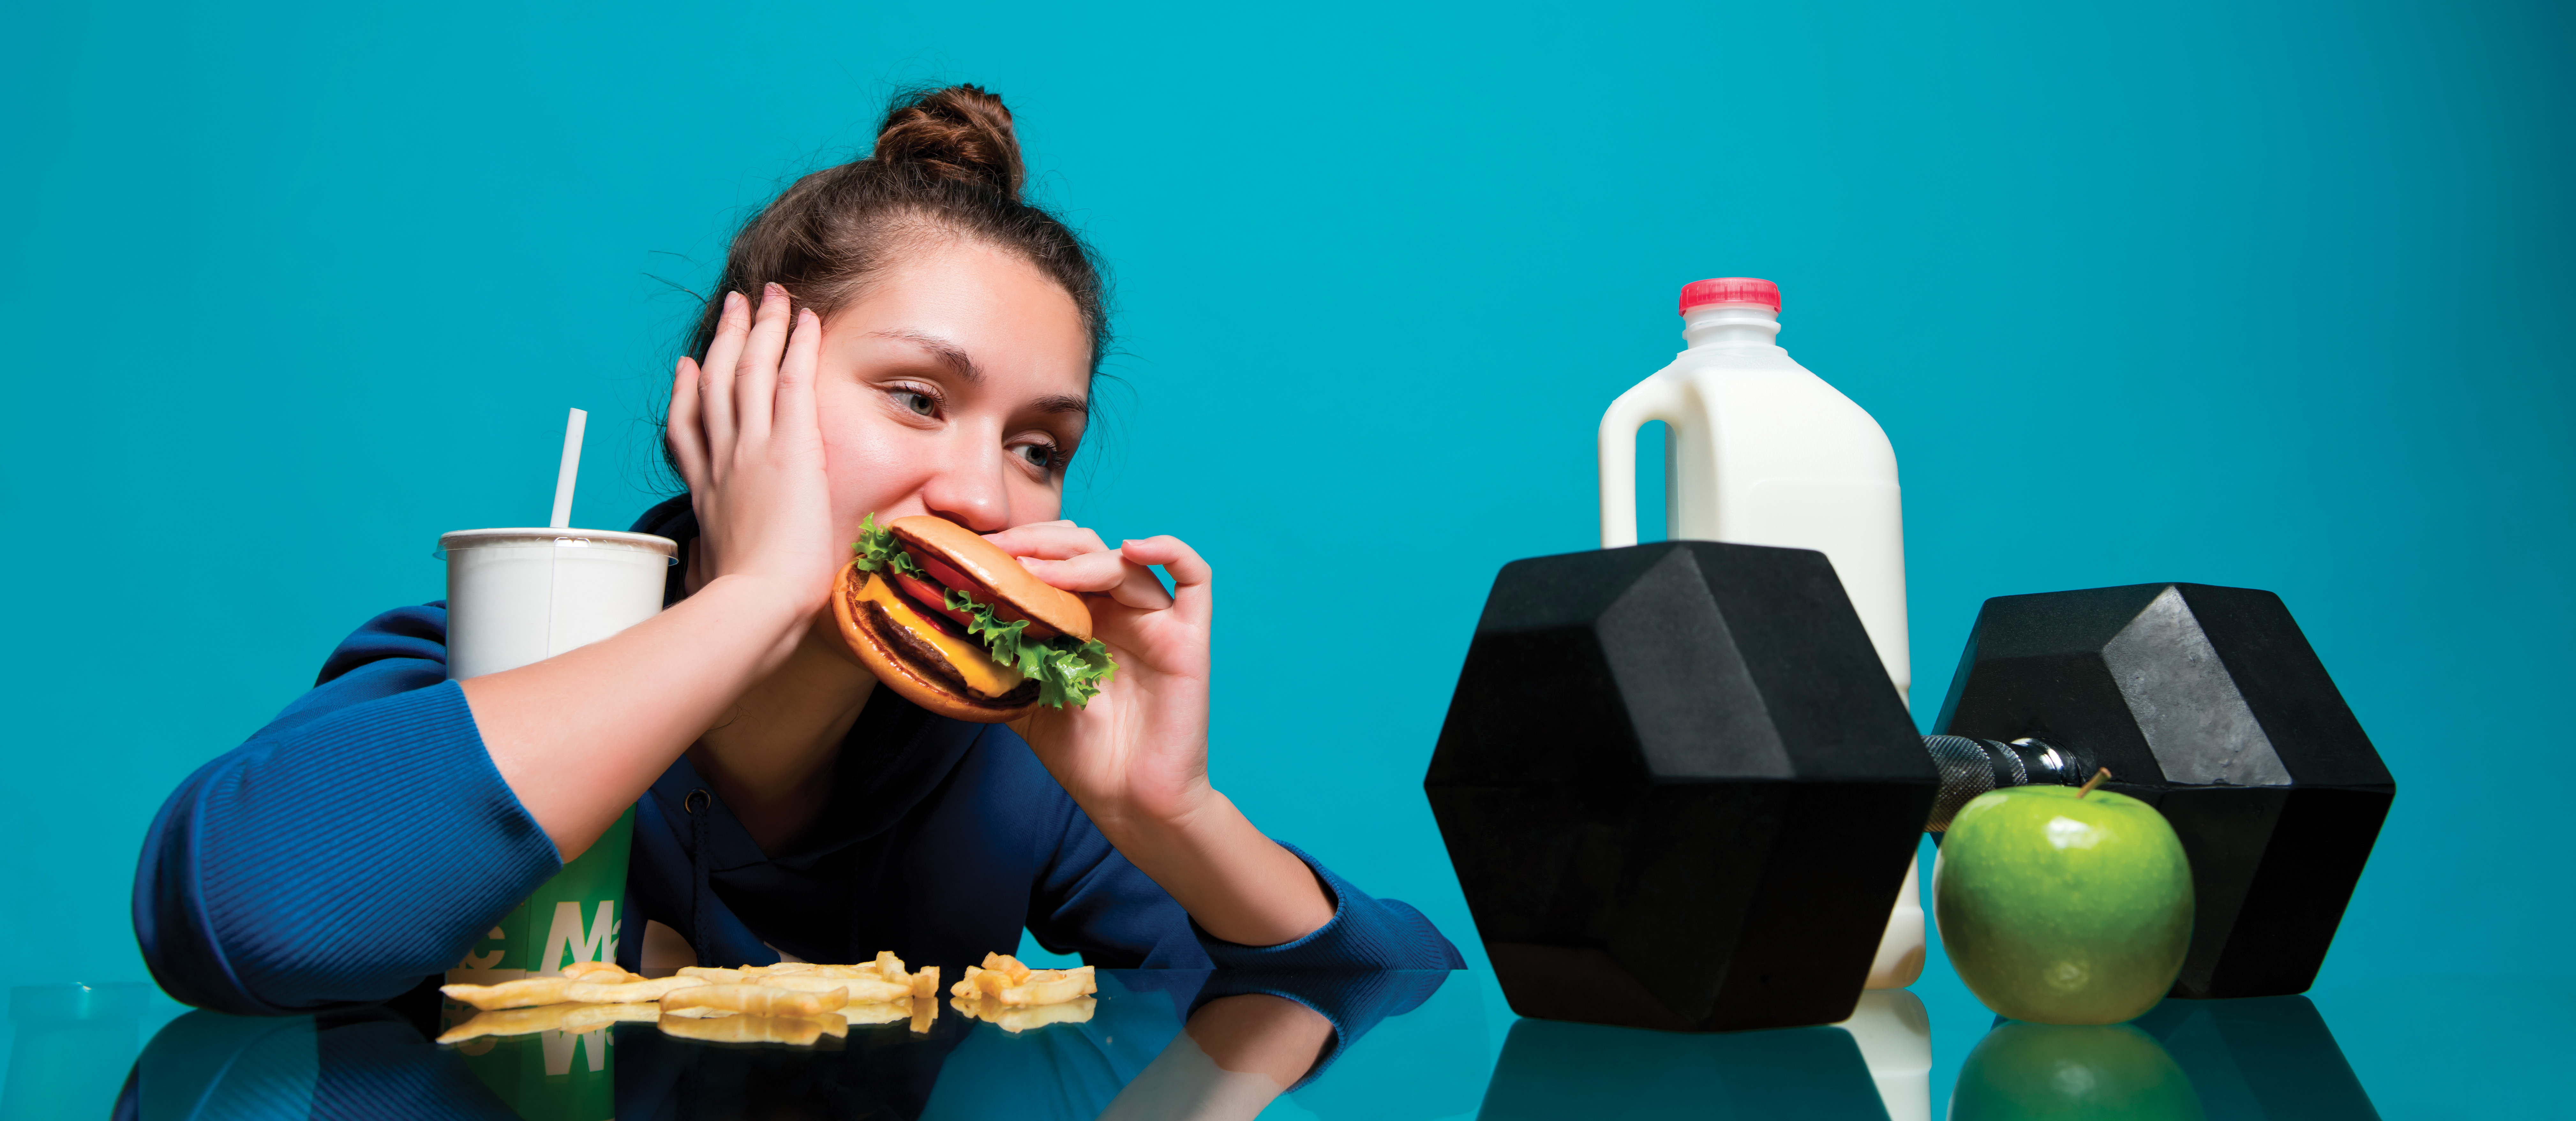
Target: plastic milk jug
1761	452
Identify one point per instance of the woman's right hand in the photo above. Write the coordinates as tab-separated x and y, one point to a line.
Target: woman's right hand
743	430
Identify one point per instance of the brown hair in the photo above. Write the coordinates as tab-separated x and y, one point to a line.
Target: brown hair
946	164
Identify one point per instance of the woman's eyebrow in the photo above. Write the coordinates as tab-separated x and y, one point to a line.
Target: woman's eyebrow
1055	403
948	353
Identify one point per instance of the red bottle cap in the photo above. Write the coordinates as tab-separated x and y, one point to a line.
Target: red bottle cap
1730	290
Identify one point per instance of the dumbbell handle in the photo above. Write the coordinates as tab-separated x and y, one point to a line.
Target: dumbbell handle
1970	767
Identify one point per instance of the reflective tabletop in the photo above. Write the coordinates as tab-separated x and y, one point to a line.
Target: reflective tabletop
1416	1046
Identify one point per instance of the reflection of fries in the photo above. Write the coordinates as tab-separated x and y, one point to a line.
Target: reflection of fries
1004	979
757	1000
1016	1019
525	993
797	1031
575	1018
630	992
922	1011
876	1012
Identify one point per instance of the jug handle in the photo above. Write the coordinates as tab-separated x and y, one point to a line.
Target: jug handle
1656	398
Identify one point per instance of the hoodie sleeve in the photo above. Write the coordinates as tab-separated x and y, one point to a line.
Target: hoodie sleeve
1364	933
1088	899
358	843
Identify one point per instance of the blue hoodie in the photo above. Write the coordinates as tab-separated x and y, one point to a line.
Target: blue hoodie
363	840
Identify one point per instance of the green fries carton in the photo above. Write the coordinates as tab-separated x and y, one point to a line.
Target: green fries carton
551	1075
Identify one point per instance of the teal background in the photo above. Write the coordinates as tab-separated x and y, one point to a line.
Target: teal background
2269	294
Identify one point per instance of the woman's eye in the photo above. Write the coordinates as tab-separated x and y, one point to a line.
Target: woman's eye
919	403
1037	455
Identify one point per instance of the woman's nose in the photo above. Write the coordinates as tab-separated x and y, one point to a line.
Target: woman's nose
968	490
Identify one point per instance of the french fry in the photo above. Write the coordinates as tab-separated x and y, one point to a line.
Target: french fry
582	970
861	989
798	1031
527	992
1049	986
1019	986
696	1013
784	968
630	992
757	1000
717	976
926	983
844	971
1008	966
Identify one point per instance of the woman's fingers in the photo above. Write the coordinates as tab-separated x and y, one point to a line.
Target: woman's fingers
795	409
716	377
1103	573
755	379
682	427
1057	540
1192	580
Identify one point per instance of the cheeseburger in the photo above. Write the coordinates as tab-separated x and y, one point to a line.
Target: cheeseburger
958	627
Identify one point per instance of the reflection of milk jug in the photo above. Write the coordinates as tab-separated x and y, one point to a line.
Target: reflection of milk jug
1761	452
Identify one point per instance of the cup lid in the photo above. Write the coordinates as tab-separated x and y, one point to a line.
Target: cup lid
563	538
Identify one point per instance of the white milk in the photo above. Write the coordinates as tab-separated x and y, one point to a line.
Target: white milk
1759	451
516	596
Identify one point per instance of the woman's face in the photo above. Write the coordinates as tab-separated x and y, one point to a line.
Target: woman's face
958	387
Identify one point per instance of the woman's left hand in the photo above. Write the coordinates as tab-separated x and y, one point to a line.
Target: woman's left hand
1135	757
1138	751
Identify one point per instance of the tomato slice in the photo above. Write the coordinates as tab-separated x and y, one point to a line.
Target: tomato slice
946	576
941	572
930	596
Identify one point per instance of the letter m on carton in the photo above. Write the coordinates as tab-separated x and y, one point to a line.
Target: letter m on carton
567	936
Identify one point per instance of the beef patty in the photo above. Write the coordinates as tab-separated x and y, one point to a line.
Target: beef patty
926	660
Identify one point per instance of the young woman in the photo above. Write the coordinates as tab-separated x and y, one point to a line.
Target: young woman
897	335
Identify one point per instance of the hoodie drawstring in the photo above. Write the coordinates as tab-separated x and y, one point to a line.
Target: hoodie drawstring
696	804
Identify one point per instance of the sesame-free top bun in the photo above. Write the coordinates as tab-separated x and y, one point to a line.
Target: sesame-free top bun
1014	588
860	628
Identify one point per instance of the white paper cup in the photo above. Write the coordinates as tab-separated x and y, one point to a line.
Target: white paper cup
516	596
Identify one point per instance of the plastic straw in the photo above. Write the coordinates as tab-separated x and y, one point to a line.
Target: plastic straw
571	467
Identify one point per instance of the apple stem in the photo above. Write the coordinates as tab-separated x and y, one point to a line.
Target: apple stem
2096	780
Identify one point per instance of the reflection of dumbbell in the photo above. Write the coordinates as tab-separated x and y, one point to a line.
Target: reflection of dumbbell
1679	791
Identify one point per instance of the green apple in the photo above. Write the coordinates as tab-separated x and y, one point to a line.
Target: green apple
2023	1072
2061	906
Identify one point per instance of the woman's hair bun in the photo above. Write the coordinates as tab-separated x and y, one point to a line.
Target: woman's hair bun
959	132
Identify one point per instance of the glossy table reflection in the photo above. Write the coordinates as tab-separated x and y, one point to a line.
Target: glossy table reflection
1173	1044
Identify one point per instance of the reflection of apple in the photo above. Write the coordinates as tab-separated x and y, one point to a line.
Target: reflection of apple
2049	1070
2061	906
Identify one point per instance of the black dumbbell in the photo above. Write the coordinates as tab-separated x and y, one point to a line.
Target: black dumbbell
2208	703
1679	791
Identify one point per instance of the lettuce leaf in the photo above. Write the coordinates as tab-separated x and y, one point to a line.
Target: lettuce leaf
879	550
1065	669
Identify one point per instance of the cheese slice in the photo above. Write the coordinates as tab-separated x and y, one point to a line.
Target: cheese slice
982	673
